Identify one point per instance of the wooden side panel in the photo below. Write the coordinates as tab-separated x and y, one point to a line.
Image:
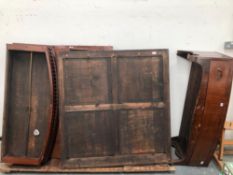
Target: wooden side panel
215	111
190	102
18	104
205	109
39	104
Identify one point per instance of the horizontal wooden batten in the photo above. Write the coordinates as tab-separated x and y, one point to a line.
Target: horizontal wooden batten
104	107
117	160
110	54
20	160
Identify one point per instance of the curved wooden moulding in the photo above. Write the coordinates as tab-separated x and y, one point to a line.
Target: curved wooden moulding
205	107
30	105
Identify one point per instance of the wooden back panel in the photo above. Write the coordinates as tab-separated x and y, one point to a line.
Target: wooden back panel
114	108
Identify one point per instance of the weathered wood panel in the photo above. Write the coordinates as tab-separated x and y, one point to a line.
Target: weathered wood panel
114	108
18	102
39	104
90	134
86	81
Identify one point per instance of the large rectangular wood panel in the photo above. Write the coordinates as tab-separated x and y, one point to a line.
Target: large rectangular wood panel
114	108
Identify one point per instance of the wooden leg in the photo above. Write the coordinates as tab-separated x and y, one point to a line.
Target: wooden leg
221	147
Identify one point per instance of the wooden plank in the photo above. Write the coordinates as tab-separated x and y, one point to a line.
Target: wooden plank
122	106
117	160
18	112
40	104
53	167
115	53
42	48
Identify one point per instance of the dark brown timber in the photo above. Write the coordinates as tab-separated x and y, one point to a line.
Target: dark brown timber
31	103
114	108
205	107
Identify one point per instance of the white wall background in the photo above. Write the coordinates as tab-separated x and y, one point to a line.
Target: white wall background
125	24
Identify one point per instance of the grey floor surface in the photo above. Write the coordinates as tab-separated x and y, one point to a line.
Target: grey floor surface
180	170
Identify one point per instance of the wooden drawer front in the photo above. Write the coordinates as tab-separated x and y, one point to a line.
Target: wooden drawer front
114	104
28	109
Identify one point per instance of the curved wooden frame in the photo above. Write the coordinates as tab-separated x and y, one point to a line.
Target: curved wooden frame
51	146
51	113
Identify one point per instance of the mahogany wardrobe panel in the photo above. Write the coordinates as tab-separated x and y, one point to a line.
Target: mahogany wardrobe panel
114	108
205	107
31	101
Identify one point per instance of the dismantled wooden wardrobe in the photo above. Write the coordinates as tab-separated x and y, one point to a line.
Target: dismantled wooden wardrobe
95	109
87	107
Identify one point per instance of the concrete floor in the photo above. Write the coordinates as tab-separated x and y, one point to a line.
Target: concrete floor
180	170
185	170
